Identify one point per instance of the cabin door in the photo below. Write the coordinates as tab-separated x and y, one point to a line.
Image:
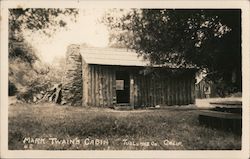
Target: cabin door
122	87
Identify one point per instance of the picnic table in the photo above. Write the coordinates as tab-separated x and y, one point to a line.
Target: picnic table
226	115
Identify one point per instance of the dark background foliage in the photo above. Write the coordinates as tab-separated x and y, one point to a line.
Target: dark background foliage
207	39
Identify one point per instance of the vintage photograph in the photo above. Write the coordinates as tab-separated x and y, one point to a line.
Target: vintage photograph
124	79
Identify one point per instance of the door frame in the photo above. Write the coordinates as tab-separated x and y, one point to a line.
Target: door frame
126	86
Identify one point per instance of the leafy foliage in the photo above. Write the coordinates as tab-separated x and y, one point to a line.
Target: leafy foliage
27	72
12	89
37	19
208	39
46	20
23	51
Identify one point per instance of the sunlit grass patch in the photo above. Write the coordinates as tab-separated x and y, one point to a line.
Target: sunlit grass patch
161	129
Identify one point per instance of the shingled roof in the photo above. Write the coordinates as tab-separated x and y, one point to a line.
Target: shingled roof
122	57
112	56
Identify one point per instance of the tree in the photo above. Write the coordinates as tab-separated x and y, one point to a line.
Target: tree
48	21
25	67
38	19
207	39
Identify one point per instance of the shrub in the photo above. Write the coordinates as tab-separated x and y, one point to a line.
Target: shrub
12	89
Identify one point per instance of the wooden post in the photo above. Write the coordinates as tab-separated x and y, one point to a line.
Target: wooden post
139	90
109	95
107	87
111	87
147	87
156	91
150	90
104	88
189	90
143	91
97	86
114	100
85	83
89	86
184	91
135	91
179	91
172	91
153	91
92	81
162	90
167	83
101	86
131	81
93	86
193	89
176	91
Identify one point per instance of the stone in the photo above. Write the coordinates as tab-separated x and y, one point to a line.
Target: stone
72	81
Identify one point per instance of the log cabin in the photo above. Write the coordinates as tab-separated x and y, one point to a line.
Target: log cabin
108	77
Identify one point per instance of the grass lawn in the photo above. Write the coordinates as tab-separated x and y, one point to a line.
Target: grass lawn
37	126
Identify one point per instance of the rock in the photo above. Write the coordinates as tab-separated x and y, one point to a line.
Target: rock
39	96
72	82
50	99
34	99
63	102
157	106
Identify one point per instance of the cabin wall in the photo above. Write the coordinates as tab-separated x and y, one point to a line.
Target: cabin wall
99	87
95	85
165	89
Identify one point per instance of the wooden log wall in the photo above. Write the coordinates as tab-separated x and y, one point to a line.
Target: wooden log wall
169	90
100	88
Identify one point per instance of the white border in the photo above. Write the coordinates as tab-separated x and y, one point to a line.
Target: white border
243	4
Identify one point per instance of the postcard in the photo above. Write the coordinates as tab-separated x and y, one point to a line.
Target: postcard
125	79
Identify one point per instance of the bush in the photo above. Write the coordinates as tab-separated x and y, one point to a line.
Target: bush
12	89
33	90
32	78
